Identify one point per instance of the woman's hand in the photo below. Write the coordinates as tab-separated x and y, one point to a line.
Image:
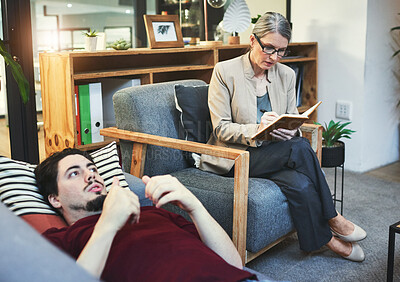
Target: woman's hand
280	133
266	119
284	134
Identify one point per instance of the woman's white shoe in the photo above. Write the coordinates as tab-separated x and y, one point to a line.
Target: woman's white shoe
357	235
357	253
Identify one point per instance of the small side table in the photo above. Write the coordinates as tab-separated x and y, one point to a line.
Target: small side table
393	229
335	188
334	157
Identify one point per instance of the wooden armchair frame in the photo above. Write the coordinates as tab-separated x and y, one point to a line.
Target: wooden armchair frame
241	174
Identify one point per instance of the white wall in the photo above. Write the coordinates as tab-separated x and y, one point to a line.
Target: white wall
355	65
382	89
259	7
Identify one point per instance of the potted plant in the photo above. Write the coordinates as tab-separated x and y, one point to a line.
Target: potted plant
120	44
16	70
393	29
332	147
397	52
255	19
90	40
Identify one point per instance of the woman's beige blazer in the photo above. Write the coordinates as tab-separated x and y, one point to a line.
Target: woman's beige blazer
233	105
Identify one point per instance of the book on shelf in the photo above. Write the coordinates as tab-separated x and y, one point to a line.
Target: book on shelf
84	111
78	116
109	87
286	121
96	111
299	71
94	107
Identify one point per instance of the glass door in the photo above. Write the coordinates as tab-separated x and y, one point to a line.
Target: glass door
21	118
4	132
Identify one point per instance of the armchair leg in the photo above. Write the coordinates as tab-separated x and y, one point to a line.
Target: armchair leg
241	183
138	159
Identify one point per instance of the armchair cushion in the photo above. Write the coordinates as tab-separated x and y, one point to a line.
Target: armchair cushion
151	109
192	103
268	213
195	122
268	217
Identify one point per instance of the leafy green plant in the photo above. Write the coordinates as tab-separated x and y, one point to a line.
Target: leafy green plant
396	28
121	44
334	131
90	33
17	72
255	19
393	29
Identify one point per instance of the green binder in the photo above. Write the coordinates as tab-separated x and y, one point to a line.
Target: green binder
84	111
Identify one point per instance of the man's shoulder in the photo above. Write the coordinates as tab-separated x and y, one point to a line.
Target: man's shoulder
89	220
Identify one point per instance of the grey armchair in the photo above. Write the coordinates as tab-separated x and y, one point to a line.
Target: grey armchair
253	211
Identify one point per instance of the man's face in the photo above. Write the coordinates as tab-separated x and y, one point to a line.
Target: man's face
80	188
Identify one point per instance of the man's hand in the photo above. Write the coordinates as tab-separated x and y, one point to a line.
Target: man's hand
120	205
167	189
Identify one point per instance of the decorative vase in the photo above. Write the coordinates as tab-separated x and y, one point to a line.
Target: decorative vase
234	40
333	156
90	43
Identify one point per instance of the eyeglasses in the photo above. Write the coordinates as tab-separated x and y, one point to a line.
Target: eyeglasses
270	50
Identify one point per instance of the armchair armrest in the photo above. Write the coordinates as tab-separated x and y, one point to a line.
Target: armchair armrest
313	132
241	174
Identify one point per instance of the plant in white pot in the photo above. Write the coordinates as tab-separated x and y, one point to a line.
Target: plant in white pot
90	40
332	147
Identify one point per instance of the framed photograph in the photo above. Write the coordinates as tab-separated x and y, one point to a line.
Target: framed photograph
163	31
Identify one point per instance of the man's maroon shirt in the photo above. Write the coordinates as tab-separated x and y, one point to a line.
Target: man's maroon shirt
162	247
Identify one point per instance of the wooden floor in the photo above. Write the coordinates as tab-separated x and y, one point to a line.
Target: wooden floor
390	172
5	139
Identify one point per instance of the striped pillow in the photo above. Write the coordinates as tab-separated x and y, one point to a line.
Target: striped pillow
107	162
18	189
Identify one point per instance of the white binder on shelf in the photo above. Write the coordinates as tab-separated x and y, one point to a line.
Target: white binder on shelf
109	87
96	111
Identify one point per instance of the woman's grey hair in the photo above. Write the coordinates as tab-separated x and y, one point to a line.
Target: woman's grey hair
272	22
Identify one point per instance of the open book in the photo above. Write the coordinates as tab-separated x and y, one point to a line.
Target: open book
287	121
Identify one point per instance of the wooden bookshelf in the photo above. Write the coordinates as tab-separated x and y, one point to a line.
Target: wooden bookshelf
60	72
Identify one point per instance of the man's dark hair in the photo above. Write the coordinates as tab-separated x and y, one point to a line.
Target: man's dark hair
46	172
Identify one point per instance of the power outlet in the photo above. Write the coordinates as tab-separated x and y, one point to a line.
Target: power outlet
343	109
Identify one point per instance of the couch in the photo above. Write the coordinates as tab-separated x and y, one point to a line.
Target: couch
253	211
27	256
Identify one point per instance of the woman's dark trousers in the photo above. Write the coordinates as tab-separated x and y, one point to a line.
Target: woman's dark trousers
294	167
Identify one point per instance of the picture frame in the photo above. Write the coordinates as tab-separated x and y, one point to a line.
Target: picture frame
163	31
